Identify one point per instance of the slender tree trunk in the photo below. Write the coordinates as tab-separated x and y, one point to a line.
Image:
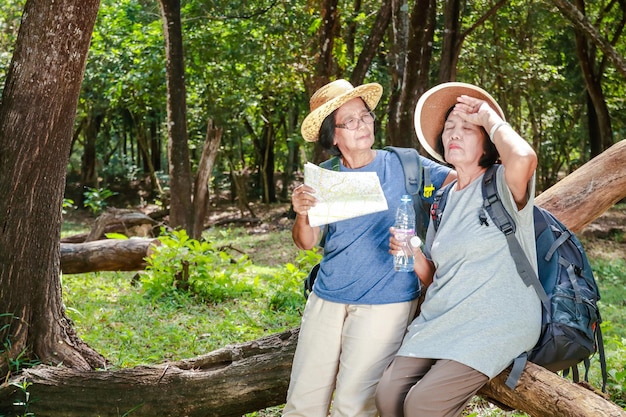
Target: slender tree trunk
36	123
412	68
383	17
203	177
600	131
325	64
89	171
181	208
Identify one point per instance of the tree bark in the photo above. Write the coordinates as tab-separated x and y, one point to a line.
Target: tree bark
201	191
105	255
414	38
383	17
36	126
541	393
599	120
228	382
181	208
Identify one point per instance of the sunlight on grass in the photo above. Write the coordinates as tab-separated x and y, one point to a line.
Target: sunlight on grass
114	317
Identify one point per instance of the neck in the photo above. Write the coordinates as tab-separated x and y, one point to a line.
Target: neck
467	176
359	160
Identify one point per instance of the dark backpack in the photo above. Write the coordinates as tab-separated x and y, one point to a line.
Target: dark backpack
414	175
570	331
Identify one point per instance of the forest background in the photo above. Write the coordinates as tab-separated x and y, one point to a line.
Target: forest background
163	78
250	69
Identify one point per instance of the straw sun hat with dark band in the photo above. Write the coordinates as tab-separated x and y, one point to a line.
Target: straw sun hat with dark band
433	105
332	96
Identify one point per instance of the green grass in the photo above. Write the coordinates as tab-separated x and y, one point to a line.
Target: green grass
116	318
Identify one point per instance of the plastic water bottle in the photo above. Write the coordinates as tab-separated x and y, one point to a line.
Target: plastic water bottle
405	230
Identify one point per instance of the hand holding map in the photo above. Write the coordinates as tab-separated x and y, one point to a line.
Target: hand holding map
342	195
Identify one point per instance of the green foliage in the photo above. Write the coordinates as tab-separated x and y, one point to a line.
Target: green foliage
68	203
611	276
181	265
115	317
95	199
23	388
22	360
288	294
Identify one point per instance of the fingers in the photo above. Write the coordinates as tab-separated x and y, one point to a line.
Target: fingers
303	199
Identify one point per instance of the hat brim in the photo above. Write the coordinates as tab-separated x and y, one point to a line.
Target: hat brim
432	106
370	93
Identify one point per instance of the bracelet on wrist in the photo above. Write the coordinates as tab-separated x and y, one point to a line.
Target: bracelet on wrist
495	127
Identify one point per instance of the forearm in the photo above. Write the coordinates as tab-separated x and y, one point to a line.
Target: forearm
519	160
424	268
304	236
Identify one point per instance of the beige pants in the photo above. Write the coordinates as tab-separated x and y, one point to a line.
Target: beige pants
343	350
412	387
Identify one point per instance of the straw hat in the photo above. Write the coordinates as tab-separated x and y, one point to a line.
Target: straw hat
432	107
332	96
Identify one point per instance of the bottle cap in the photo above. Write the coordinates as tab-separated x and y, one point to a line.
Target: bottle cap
415	242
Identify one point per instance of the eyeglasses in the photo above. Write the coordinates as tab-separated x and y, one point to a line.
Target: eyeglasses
353	124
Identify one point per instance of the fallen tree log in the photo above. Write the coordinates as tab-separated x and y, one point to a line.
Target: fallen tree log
543	393
123	221
586	193
231	381
243	378
105	255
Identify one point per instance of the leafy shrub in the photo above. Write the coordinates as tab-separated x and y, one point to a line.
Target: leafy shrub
185	266
95	199
288	293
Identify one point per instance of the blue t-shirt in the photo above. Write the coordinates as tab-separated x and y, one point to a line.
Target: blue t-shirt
356	267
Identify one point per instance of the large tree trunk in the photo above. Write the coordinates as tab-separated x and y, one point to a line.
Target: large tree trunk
383	17
36	125
599	119
240	379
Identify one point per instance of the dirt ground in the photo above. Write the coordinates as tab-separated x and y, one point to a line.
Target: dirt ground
605	237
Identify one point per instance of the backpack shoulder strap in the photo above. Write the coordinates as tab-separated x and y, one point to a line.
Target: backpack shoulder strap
412	166
439	203
492	204
332	163
417	180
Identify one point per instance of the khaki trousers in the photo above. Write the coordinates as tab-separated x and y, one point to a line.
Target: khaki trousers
412	387
341	354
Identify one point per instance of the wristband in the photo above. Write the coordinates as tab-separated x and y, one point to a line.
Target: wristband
495	128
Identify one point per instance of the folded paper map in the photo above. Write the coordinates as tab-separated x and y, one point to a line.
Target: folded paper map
342	195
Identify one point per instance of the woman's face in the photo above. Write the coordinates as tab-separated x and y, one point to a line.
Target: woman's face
362	137
463	141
